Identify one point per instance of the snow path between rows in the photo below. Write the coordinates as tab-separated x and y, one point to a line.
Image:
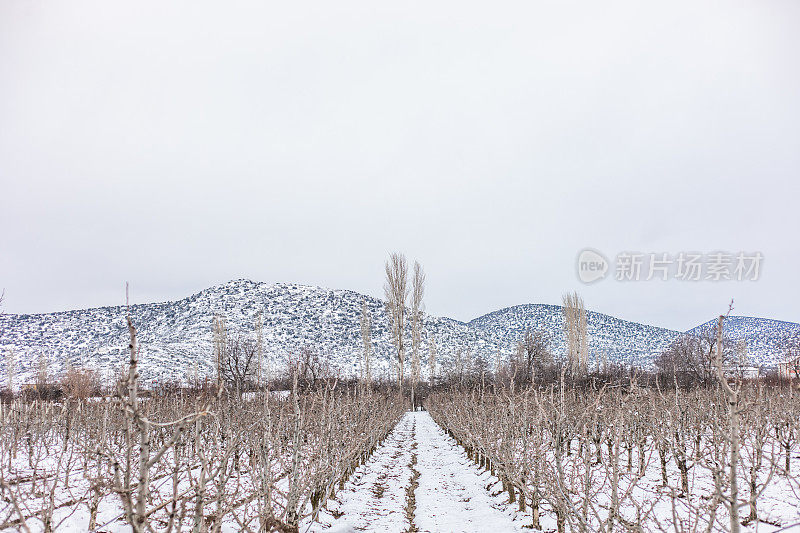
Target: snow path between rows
452	495
374	499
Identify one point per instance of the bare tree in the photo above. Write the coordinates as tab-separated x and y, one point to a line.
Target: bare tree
576	333
80	383
138	431
466	366
459	366
432	360
11	368
692	359
396	291
741	351
366	338
792	362
417	293
239	362
193	374
220	343
533	354
309	370
42	371
10	359
732	396
260	343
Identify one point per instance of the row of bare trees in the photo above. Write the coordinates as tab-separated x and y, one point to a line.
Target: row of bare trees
641	459
730	436
173	462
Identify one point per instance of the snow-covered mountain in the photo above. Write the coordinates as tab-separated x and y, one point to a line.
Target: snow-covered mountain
174	336
767	340
623	342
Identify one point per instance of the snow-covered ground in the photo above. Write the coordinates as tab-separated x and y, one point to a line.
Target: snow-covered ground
417	480
420	480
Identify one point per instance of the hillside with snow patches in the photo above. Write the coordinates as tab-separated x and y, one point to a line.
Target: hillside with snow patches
624	342
176	336
767	339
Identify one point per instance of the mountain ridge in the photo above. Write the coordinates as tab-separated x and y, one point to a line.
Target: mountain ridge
176	335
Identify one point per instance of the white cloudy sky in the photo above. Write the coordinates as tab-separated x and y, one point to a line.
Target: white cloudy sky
182	144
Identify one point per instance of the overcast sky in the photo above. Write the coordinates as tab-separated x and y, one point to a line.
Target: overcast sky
178	145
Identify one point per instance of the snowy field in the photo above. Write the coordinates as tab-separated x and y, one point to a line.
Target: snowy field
644	461
476	461
420	480
251	465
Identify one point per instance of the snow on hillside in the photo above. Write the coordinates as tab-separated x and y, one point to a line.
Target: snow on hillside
175	335
767	339
623	342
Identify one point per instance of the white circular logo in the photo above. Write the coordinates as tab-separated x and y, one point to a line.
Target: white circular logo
592	266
